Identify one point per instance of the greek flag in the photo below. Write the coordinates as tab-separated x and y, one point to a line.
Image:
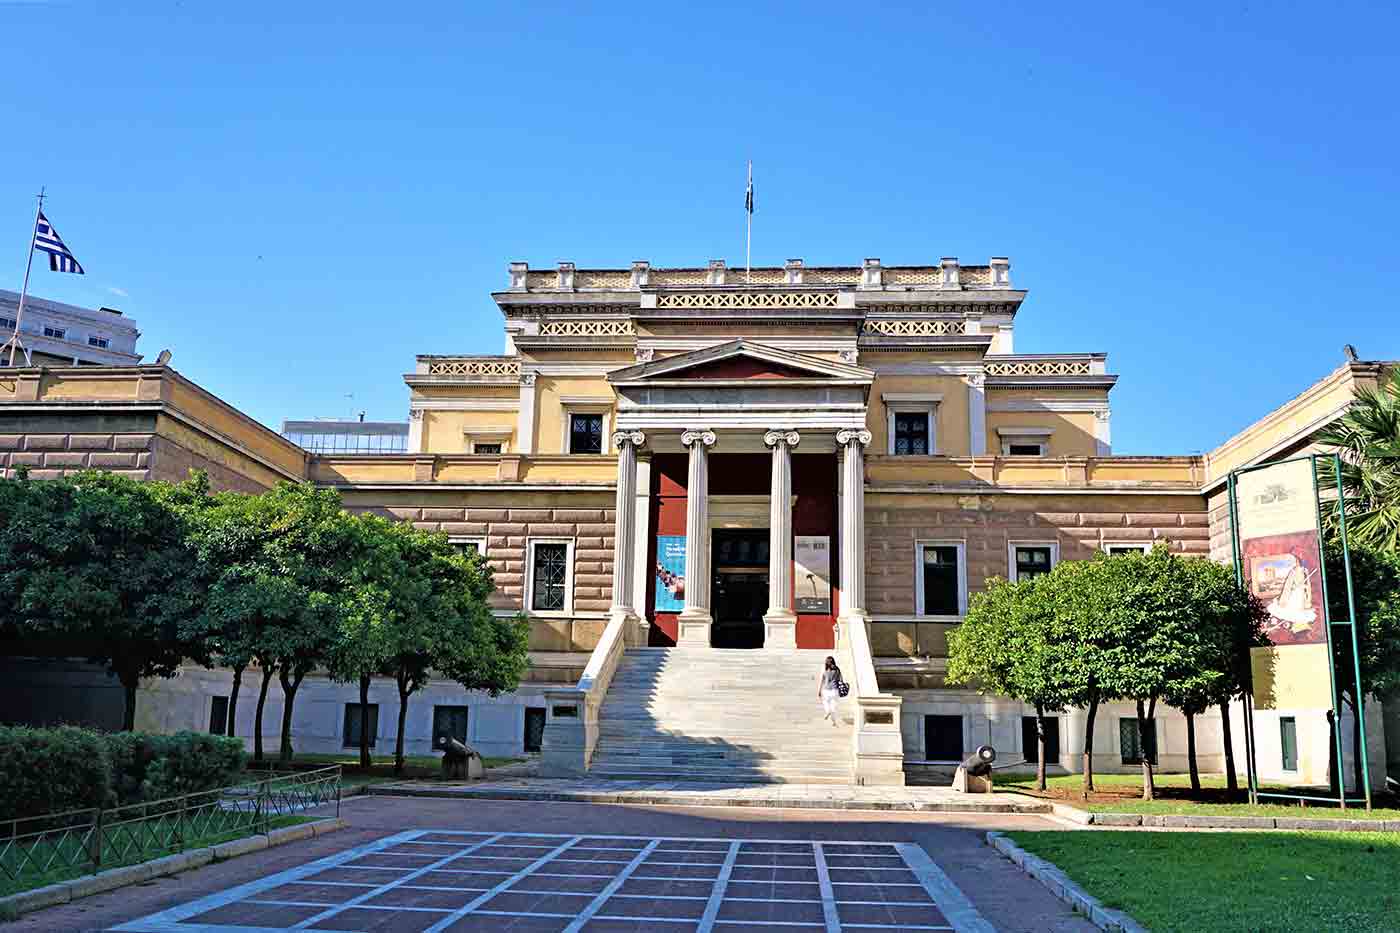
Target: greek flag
46	240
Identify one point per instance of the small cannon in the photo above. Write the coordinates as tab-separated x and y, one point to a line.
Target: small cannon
459	760
974	775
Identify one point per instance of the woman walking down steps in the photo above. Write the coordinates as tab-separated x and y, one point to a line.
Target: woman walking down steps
829	688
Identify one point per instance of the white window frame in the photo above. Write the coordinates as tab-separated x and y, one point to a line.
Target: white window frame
58	333
1042	447
1144	546
912	403
572	408
478	540
919	545
1011	547
529	594
488	436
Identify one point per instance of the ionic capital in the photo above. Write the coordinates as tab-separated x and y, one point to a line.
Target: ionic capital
846	436
976	379
703	436
774	438
527	379
635	438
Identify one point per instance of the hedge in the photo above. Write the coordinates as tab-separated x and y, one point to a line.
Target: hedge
66	768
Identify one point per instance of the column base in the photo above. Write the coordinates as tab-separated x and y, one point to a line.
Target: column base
693	628
634	628
779	629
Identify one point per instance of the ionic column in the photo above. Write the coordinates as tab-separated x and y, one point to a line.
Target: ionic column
852	445
694	620
625	529
780	622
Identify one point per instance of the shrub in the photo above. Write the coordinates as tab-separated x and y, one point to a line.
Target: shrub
51	770
188	762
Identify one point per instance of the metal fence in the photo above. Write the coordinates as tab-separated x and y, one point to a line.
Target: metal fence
78	842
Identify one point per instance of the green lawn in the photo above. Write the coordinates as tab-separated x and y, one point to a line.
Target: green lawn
1073	782
1266	882
27	880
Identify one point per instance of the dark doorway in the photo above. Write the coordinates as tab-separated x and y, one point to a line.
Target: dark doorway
1030	745
739	596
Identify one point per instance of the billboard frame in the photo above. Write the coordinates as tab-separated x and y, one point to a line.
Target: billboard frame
1251	747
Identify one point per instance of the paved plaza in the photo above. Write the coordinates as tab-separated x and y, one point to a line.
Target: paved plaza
407	865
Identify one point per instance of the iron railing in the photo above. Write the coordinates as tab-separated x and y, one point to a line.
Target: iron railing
77	842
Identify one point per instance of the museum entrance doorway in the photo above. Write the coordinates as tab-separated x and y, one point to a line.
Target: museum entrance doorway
739	596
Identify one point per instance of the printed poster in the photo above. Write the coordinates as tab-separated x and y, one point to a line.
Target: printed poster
1277	509
811	572
670	573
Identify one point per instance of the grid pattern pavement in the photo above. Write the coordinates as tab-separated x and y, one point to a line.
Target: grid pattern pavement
426	881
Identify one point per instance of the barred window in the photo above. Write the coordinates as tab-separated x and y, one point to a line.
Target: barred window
911	433
550	577
586	434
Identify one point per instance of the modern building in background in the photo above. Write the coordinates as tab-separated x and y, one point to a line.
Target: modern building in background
58	334
348	436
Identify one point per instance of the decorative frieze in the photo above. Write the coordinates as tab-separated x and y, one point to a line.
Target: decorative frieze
584	328
886	327
746	300
1039	368
481	367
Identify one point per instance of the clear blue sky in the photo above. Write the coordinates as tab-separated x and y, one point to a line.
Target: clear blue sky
296	199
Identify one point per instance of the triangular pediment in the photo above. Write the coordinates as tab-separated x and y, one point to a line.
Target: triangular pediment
741	360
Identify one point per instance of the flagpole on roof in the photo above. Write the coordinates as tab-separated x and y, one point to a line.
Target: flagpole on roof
748	239
14	341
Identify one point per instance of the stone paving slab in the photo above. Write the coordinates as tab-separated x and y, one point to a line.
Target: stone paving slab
428	880
687	793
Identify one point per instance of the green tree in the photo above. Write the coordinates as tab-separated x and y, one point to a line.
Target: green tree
99	565
1375	574
1367	437
1008	645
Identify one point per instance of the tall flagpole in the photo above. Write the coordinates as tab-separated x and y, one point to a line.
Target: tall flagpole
24	290
748	240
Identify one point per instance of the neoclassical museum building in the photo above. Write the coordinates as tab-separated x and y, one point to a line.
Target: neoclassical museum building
697	483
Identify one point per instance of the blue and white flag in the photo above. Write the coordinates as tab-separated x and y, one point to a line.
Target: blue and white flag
46	240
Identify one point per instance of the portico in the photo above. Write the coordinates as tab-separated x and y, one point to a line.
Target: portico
794	407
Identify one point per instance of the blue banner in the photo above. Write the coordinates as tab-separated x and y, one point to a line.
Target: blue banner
670	573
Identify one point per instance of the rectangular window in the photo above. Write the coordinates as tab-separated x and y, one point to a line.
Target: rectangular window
470	546
353	724
911	433
1111	549
534	728
449	722
1288	742
57	333
99	342
549	577
941	584
1023	449
943	738
1032	560
486	448
1131	746
1052	739
586	434
218	716
7	323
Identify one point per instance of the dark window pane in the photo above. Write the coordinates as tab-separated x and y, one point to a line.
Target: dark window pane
1131	745
450	722
1288	742
585	434
1032	562
218	716
486	448
534	729
911	433
1052	739
551	571
940	570
943	738
353	724
1024	450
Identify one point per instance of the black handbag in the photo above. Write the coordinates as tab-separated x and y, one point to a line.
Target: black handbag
843	688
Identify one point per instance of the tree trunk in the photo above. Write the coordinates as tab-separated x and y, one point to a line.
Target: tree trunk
1191	751
1231	781
364	721
290	683
258	714
1089	746
129	681
1040	747
232	727
403	717
1146	741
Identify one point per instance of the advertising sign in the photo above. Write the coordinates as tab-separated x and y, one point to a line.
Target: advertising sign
670	573
1278	529
812	573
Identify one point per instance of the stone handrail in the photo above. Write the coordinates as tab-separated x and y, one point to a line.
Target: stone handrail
571	718
877	745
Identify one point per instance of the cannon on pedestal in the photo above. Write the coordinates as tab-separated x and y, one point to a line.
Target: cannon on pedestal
974	775
459	760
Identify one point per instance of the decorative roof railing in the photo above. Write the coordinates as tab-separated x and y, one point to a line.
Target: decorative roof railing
475	366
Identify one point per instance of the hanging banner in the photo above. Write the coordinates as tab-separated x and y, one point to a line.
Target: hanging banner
670	573
811	572
1277	527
